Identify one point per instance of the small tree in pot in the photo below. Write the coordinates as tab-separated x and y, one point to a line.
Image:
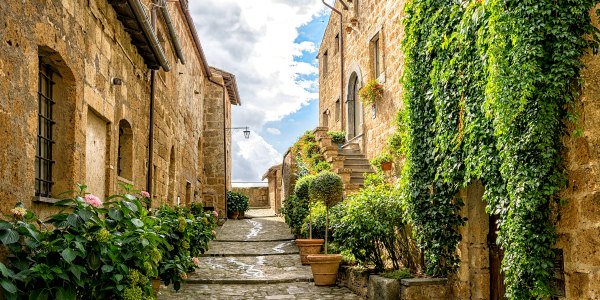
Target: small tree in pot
329	188
310	245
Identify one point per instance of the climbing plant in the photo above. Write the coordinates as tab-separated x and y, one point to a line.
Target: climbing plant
487	87
308	155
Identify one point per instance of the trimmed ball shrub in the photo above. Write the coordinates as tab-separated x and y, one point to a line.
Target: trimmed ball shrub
327	187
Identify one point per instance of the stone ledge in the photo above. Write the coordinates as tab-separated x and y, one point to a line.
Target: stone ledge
424	281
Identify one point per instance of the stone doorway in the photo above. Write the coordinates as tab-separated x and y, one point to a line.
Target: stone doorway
497	289
355	109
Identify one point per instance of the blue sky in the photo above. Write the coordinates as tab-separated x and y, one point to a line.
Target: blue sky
273	53
307	118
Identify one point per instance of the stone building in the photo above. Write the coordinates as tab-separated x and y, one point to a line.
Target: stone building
363	45
275	178
104	92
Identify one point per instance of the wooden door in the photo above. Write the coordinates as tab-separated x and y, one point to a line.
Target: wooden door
497	289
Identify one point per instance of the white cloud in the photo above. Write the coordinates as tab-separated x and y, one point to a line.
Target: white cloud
274	131
256	40
252	157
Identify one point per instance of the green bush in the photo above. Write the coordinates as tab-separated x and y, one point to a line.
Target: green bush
327	187
318	212
337	137
237	202
89	250
301	189
379	236
295	210
398	274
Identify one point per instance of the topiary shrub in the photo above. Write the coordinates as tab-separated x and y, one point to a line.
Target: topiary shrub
301	190
328	188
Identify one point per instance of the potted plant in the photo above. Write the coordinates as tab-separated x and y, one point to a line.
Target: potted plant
371	92
338	137
237	203
329	188
383	162
310	245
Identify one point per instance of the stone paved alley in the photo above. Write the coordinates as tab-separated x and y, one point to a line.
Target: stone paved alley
254	258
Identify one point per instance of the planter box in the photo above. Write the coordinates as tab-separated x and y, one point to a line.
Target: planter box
355	279
382	288
425	289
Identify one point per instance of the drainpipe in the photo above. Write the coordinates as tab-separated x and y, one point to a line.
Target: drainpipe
151	122
224	139
341	45
169	22
149	32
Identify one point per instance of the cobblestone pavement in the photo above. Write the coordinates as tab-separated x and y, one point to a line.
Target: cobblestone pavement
253	259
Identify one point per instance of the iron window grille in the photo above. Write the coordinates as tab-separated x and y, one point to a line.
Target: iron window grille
43	158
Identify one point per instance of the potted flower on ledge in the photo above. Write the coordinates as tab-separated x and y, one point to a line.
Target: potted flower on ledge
310	245
237	205
338	137
371	92
383	162
329	188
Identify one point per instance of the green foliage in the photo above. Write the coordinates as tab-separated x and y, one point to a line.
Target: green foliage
237	202
89	250
308	156
327	187
301	189
371	92
318	212
398	274
295	210
384	157
379	237
337	137
486	88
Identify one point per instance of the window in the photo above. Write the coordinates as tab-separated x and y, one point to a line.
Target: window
325	62
125	151
338	110
337	43
376	56
325	122
43	158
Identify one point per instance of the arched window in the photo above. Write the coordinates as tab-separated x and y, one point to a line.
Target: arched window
171	186
55	135
354	107
125	151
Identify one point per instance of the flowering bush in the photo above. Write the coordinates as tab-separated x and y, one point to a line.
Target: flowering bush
371	92
89	250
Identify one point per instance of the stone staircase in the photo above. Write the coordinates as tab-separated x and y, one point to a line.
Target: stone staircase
349	162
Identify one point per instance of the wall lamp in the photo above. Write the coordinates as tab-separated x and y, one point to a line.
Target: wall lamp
246	130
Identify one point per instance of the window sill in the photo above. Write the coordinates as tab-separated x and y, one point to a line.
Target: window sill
124	180
39	199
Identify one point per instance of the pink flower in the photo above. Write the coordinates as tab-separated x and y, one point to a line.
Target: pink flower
214	233
196	261
216	214
93	200
145	194
183	276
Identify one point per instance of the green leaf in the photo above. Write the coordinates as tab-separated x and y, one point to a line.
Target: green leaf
6	272
94	261
8	236
8	286
137	222
68	255
66	293
115	214
107	268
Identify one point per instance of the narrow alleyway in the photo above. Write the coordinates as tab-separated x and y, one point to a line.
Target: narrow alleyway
253	258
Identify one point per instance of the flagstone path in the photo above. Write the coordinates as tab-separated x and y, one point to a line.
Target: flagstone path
254	258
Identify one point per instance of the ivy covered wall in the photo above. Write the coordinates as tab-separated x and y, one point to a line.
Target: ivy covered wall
490	87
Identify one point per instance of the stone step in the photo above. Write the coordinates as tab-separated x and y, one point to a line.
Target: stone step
352	161
358	181
251	270
262	229
238	249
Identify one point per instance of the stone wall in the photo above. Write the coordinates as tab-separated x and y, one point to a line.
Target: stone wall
375	18
86	44
257	196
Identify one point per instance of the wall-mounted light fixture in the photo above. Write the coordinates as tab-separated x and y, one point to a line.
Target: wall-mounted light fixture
246	130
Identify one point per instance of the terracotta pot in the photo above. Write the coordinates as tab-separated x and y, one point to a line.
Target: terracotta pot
234	215
155	286
325	268
308	246
386	166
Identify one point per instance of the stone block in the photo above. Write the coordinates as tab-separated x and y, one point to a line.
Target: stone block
381	288
425	289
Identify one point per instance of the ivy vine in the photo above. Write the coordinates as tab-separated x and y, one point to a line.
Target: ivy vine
487	87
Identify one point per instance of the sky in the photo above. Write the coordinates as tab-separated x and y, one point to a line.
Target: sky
271	46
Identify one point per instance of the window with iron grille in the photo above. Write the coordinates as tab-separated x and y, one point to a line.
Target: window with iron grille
43	158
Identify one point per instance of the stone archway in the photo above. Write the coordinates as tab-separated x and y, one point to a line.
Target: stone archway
354	108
